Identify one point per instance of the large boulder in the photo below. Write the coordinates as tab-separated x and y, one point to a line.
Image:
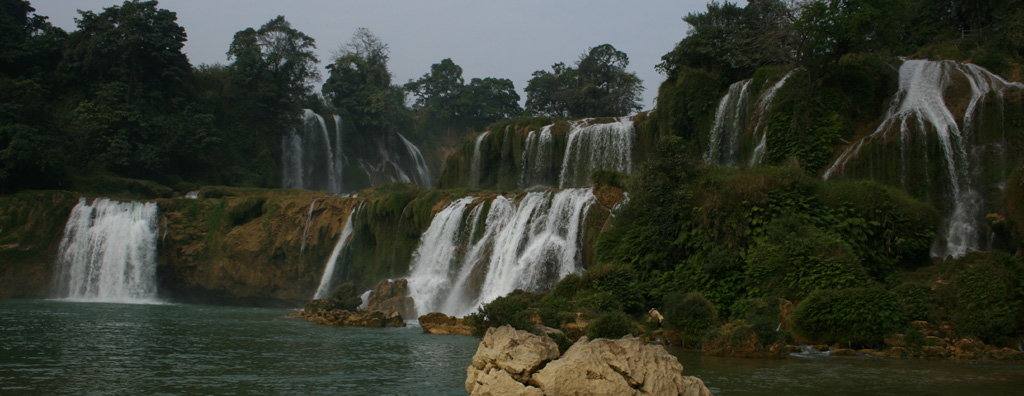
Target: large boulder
441	324
324	312
514	362
392	296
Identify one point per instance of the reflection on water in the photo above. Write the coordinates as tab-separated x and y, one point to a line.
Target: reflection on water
820	374
62	348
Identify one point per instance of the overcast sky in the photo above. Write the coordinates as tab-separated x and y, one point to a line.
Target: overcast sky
488	38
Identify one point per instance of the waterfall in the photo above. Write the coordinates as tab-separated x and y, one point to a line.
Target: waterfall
919	111
324	290
311	159
528	245
731	118
192	194
422	172
597	146
108	252
764	103
474	170
536	158
305	230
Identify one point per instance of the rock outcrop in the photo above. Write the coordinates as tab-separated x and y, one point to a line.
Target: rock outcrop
392	296
441	324
514	362
319	311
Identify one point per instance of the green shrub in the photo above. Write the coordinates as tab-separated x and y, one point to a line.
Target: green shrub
508	310
692	314
856	318
622	286
567	287
346	297
562	340
762	317
609	178
554	311
914	297
794	259
612	325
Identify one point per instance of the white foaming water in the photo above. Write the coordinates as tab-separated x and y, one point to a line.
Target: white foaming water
528	246
310	159
764	104
919	108
324	290
108	252
731	118
192	194
536	159
474	170
598	146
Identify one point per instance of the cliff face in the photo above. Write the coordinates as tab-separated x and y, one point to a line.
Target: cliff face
263	246
31	225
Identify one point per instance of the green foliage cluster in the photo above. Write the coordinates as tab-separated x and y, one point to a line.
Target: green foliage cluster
856	317
346	297
442	95
761	316
612	324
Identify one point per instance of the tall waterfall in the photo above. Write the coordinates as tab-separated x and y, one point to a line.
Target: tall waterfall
108	252
528	245
312	159
537	158
327	279
919	114
305	230
731	119
597	146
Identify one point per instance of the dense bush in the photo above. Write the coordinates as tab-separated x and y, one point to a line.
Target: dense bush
984	296
858	317
692	314
762	318
613	324
346	297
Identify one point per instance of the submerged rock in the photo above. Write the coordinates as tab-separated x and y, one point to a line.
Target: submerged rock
441	324
515	362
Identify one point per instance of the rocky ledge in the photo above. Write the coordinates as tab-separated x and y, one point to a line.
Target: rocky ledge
323	312
515	362
441	324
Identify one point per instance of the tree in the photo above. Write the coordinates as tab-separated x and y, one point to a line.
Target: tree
599	86
275	66
359	83
488	100
438	91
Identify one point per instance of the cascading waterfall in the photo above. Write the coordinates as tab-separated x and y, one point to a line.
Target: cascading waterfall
324	290
764	103
597	146
108	252
312	160
474	170
536	158
529	246
731	118
919	110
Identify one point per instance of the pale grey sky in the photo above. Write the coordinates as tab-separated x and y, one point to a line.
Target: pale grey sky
488	38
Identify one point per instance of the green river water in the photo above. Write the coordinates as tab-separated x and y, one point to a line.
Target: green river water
69	348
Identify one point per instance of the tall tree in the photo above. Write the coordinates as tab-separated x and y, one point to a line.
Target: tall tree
438	91
359	83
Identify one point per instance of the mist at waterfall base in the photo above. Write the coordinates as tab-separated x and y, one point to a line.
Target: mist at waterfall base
61	348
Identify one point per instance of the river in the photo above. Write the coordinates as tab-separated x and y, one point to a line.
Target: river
80	348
